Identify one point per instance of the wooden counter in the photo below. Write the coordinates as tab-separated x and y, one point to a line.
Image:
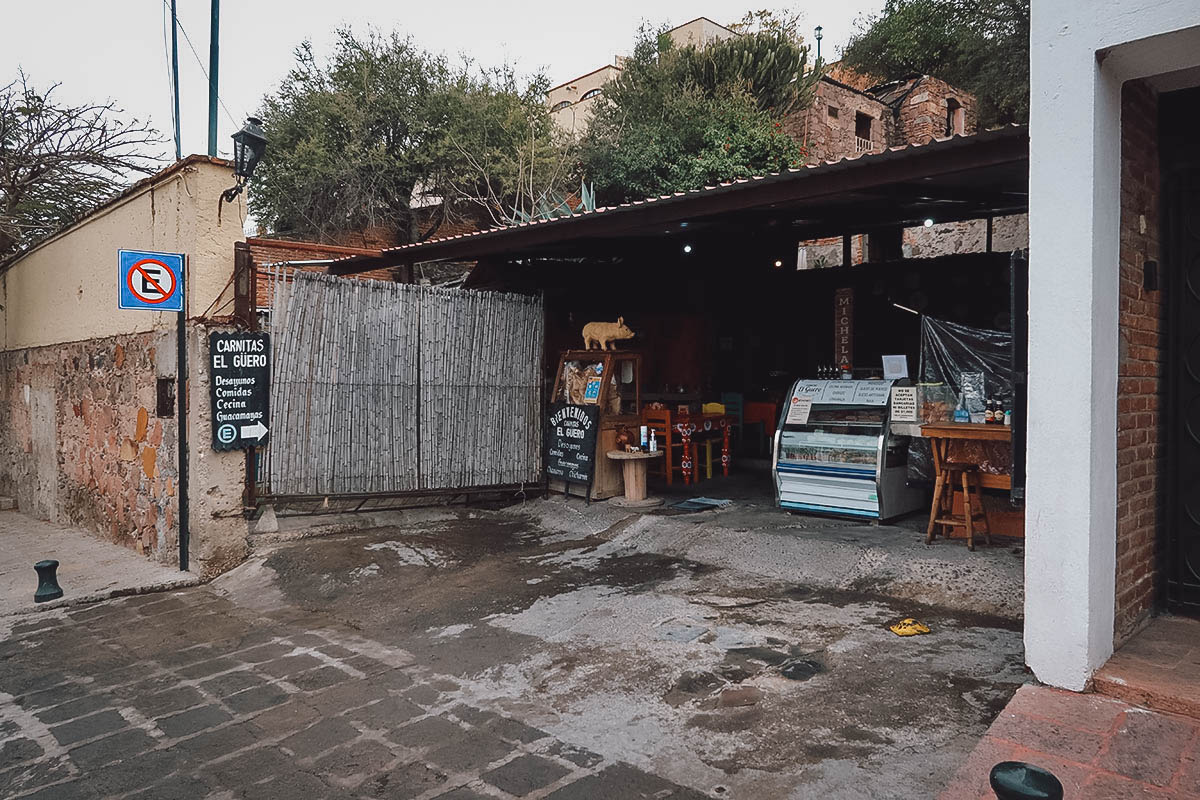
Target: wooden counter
942	438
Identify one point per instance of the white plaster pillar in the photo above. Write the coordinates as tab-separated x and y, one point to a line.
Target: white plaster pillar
1070	515
1080	55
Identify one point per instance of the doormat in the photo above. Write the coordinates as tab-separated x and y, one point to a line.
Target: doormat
701	504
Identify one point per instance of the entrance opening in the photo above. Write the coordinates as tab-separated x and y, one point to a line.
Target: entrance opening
1179	114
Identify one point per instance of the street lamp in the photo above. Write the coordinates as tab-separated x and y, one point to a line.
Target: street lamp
818	37
249	145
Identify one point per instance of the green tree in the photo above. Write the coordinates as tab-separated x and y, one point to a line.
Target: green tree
59	161
682	118
979	45
383	126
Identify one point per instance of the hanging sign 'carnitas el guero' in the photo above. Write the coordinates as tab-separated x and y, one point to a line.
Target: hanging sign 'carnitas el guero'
239	389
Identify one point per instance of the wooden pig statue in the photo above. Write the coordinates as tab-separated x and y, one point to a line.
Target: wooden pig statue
602	333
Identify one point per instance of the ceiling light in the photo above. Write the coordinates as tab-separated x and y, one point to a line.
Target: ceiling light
687	248
928	223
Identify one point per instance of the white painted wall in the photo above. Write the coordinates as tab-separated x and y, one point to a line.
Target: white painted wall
1080	55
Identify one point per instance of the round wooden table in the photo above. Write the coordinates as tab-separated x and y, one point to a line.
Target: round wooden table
633	466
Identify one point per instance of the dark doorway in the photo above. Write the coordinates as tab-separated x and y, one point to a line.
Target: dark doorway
1179	116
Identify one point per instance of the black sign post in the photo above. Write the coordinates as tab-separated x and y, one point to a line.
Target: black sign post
571	445
239	389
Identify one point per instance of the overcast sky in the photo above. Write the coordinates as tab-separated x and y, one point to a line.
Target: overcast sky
115	48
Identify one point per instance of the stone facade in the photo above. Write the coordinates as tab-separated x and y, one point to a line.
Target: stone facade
929	108
828	129
83	444
1140	446
909	111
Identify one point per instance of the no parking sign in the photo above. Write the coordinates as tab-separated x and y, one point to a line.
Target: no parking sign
149	281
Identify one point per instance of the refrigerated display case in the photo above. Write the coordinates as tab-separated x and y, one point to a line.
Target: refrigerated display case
839	455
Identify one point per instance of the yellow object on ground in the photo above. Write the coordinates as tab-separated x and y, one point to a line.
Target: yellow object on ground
908	627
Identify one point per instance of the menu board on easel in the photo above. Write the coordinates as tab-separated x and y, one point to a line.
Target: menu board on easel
571	443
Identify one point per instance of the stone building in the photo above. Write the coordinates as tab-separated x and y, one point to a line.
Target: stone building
844	120
88	419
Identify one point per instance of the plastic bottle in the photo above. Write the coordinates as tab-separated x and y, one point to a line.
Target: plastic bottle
653	442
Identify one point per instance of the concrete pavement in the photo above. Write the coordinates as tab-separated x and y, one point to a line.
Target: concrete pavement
89	567
487	654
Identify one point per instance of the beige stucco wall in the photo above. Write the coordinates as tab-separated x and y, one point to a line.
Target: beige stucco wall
576	117
699	32
65	290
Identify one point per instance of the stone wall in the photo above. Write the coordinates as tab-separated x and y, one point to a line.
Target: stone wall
828	137
921	114
83	445
1008	233
1140	462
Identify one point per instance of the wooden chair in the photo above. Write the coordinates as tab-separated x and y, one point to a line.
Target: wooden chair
950	478
669	441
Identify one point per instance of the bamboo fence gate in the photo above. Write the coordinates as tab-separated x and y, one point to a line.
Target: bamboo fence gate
390	388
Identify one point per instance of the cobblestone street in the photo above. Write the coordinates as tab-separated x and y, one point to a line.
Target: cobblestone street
488	657
115	700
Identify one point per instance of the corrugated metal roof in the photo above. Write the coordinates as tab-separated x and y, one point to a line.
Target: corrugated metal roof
410	253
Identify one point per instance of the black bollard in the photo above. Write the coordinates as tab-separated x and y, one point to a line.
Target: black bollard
1016	780
48	588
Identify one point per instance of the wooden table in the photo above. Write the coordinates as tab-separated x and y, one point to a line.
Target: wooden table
634	467
689	425
942	438
941	435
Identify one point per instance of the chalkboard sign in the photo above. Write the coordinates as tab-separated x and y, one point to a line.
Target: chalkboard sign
571	442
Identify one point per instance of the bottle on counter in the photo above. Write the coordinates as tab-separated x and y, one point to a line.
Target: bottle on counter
1008	417
645	438
653	442
1000	413
961	414
847	372
989	414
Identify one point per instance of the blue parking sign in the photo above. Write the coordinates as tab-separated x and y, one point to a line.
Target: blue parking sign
149	281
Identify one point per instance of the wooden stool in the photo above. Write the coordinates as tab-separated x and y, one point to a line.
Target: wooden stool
950	477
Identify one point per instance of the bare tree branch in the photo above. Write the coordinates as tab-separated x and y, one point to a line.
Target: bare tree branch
57	161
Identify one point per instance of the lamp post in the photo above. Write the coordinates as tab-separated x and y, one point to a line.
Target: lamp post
818	37
249	145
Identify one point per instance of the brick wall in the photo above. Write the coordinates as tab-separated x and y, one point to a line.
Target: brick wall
275	251
1140	460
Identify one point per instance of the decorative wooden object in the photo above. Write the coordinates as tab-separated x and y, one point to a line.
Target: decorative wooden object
634	468
604	333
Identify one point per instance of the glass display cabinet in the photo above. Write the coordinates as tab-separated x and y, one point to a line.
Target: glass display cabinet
839	455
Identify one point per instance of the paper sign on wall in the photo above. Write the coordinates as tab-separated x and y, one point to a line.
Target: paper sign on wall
799	410
904	404
895	367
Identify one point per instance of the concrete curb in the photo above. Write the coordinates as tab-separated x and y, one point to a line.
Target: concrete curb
108	594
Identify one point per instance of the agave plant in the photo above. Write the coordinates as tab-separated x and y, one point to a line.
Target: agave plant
553	205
